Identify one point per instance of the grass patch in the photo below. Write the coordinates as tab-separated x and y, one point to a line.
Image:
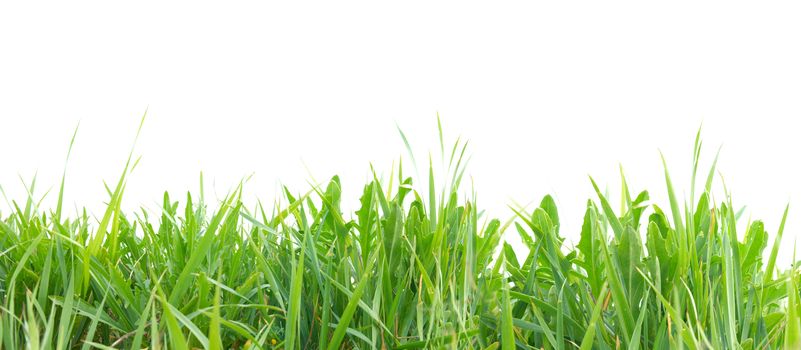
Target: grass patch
409	269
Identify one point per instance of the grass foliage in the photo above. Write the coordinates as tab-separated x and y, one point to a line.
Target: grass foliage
409	269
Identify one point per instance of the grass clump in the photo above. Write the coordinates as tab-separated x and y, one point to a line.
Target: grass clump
407	270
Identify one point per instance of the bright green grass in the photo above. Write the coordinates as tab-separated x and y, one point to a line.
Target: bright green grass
407	270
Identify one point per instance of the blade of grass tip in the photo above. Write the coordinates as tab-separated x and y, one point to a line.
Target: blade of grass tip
353	303
684	241
625	196
64	175
5	197
29	203
408	148
382	198
674	203
610	214
432	197
111	210
459	168
589	335
774	251
696	157
115	196
453	151
711	176
201	205
441	139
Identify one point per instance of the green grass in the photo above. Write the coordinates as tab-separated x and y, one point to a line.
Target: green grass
409	269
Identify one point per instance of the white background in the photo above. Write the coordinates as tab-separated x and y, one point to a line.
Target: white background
546	93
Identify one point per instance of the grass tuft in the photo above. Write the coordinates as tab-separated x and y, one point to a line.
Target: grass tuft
410	269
